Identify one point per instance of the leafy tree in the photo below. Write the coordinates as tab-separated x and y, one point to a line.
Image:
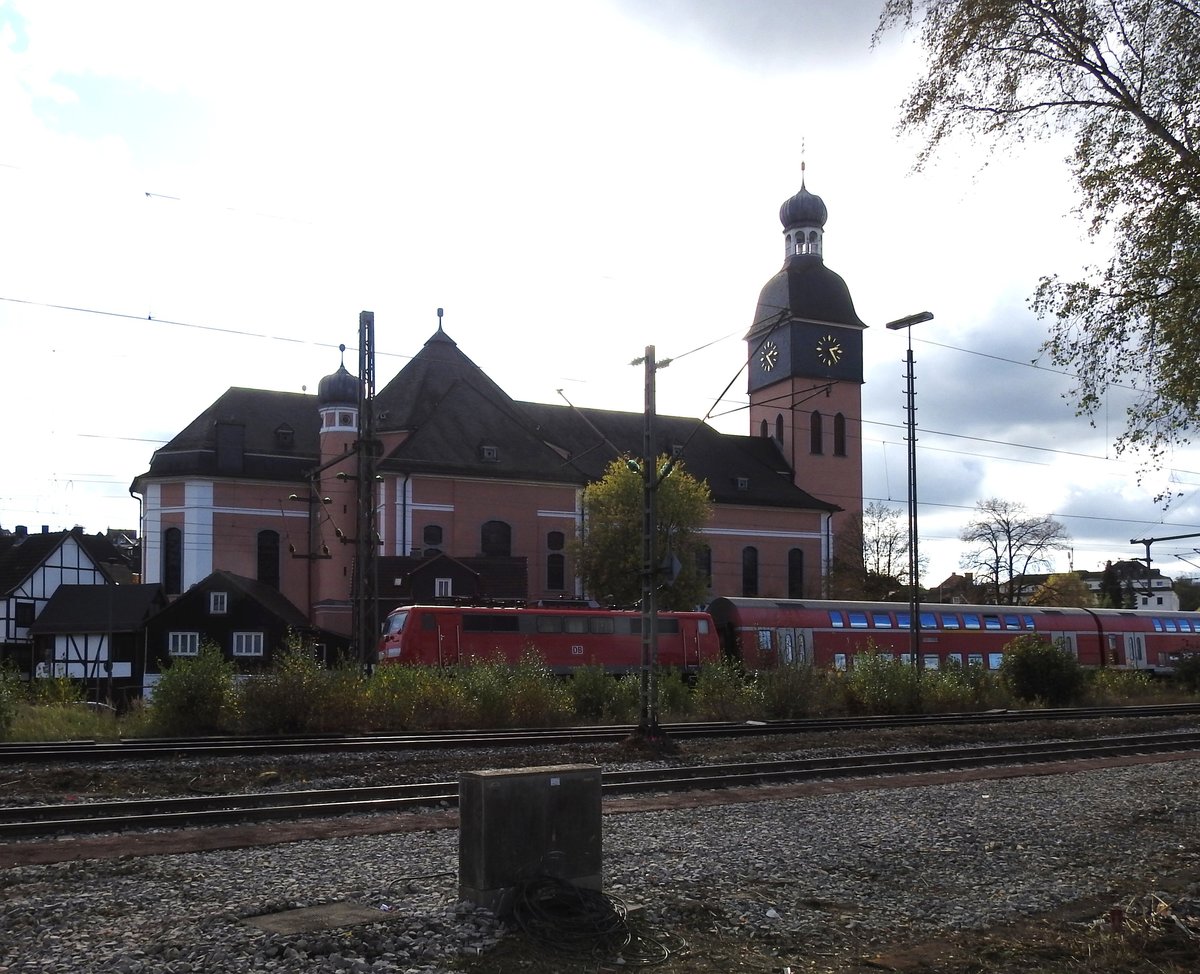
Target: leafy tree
872	558
195	696
1007	543
1112	593
1121	78
1064	590
1188	591
610	555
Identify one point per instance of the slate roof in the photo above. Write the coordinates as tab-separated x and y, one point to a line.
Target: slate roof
450	410
193	451
808	291
99	608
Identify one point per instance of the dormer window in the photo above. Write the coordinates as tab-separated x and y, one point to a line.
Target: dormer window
489	454
218	603
285	437
742	483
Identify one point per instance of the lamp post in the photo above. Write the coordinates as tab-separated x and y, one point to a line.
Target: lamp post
914	590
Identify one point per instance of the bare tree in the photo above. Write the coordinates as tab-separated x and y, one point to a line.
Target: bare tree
1007	543
872	558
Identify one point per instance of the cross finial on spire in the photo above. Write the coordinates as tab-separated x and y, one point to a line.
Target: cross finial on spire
802	163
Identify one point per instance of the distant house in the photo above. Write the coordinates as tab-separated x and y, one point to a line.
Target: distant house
250	622
96	634
32	568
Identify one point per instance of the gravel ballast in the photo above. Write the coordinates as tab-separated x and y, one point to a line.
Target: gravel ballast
828	872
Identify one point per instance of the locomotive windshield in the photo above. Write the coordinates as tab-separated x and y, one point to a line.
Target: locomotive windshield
395	622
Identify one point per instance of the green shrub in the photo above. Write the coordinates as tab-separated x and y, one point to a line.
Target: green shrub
10	695
194	696
592	692
1109	686
1035	670
722	692
536	697
948	690
1187	673
876	684
789	692
56	690
299	695
486	686
675	700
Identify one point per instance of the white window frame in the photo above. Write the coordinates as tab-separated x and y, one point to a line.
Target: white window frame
183	643
443	588
218	603
247	644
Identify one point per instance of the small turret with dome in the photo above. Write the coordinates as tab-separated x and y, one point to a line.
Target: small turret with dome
803	218
337	399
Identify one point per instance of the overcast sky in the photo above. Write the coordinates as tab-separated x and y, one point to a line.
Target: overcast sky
198	196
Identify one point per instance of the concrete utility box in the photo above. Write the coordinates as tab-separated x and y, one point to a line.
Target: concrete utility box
517	824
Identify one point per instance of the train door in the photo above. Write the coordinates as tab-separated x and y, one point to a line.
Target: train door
792	646
1135	650
1068	641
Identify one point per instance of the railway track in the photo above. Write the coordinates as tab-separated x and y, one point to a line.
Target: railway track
98	817
151	748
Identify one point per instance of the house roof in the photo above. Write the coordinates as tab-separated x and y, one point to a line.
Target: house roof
22	554
99	608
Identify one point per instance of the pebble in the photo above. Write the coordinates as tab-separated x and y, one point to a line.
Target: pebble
802	874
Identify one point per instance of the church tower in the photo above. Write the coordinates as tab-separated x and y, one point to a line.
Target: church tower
805	355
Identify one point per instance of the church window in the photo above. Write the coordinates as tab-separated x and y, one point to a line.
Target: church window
750	572
495	539
795	572
172	561
815	434
762	431
268	558
839	435
432	535
779	427
556	562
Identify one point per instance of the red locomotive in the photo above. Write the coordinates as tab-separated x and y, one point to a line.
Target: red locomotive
565	638
764	633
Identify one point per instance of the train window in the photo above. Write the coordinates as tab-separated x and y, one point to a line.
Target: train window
491	622
604	625
1028	620
394	623
669	626
930	661
575	623
549	623
1158	626
1185	625
1170	625
994	660
428	621
903	620
975	659
991	622
858	620
881	620
928	621
764	638
970	620
955	658
835	620
950	621
839	661
702	626
906	658
888	656
1012	622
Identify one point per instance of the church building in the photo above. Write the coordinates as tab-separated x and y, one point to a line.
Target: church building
478	494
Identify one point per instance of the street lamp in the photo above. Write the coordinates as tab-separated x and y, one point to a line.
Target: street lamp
914	597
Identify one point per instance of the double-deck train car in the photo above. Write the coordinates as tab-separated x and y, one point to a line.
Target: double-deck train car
565	638
765	633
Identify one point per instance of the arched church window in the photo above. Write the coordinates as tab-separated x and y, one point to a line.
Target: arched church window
495	539
779	427
815	433
762	430
839	435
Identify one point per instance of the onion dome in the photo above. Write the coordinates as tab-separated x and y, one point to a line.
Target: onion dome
804	209
340	387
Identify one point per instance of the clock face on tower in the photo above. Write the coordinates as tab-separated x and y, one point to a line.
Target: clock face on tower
768	357
829	350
